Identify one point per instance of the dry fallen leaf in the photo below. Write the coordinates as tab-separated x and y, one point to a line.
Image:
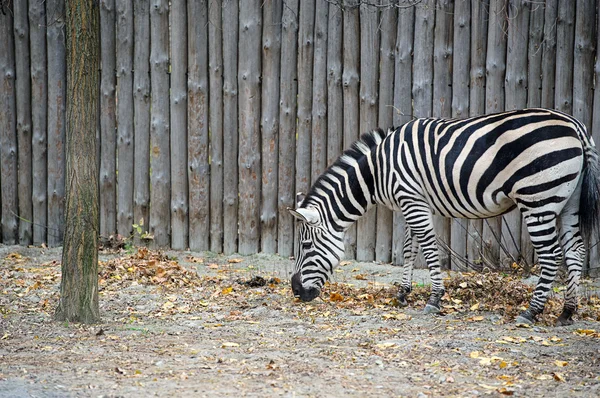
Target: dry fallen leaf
336	297
227	290
229	345
561	363
234	260
559	377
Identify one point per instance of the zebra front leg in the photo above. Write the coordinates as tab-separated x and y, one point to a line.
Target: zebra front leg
544	237
409	252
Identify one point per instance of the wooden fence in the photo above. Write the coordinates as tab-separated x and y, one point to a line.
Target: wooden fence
215	113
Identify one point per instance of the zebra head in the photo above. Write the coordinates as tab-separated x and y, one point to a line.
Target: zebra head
319	249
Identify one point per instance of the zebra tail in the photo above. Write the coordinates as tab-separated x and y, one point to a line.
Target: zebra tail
589	203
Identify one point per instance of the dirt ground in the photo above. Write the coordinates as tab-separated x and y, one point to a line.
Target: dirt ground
198	324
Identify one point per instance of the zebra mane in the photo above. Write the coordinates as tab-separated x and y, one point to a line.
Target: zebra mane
356	152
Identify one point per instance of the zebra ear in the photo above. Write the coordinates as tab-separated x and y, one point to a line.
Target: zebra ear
299	198
310	216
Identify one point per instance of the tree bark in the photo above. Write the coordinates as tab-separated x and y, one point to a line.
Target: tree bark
249	68
271	59
79	283
39	119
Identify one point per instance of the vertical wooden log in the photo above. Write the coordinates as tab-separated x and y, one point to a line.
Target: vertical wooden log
287	128
335	105
549	53
516	98
369	67
125	142
198	125
141	116
319	92
565	37
479	33
403	104
8	132
215	108
23	90
460	109
108	120
179	133
583	66
39	115
350	79
55	11
594	252
230	125
442	95
160	200
249	72
494	102
385	218
305	76
271	53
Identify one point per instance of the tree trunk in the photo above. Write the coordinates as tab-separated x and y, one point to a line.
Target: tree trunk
271	53
57	71
23	88
403	105
198	125
160	216
350	79
385	218
108	120
141	116
8	132
287	128
366	227
215	108
249	68
460	109
178	130
125	143
79	283
39	118
230	125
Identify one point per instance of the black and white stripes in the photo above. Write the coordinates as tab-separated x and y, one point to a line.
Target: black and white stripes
541	161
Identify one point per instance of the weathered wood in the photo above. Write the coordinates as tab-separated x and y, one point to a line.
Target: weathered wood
515	98
403	108
565	37
198	125
442	94
125	143
215	108
388	27
460	108
549	53
108	120
141	117
160	199
79	266
583	66
287	128
369	67
249	125
179	134
39	115
306	23
55	11
271	55
479	33
23	90
594	252
8	132
494	102
335	104
319	92
230	125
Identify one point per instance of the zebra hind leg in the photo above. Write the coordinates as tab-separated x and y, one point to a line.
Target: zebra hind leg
409	252
544	236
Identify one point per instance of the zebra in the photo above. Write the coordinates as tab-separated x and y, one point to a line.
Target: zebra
541	161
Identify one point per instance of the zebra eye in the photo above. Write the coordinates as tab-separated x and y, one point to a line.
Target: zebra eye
306	245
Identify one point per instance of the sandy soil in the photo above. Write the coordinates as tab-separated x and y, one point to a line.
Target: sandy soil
236	330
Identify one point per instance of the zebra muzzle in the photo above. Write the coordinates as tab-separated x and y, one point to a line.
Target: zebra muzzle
302	293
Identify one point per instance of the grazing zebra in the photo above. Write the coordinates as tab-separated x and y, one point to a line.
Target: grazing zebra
541	161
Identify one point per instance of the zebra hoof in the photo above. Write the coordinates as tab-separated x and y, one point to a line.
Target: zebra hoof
565	318
431	309
525	319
